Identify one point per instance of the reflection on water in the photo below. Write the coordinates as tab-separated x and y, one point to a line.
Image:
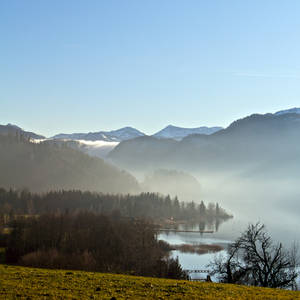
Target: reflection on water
193	261
181	238
273	203
227	232
209	224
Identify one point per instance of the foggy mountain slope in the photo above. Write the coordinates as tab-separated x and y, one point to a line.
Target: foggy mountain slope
144	151
251	140
173	183
45	166
11	129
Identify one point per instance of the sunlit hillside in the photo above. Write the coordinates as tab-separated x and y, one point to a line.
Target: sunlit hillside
30	283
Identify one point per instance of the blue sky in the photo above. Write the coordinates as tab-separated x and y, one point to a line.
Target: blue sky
79	66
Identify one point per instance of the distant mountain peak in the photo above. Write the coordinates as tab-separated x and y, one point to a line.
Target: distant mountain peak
13	129
295	110
118	135
14	126
178	133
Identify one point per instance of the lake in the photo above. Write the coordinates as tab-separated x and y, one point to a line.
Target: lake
194	261
227	232
272	202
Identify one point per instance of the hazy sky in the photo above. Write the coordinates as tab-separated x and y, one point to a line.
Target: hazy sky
78	66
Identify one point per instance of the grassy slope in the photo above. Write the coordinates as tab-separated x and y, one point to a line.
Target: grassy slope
30	283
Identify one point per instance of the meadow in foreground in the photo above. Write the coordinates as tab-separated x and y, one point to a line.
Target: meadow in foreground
32	283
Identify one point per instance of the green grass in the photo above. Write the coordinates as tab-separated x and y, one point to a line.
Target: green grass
31	283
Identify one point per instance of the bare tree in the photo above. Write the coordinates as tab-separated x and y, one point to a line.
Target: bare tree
253	259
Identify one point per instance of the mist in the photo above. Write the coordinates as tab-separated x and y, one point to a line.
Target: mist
272	201
251	168
271	198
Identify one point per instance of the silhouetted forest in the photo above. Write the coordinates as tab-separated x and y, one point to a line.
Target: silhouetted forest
91	242
147	205
53	166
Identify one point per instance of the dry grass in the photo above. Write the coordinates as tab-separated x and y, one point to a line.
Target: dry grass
31	283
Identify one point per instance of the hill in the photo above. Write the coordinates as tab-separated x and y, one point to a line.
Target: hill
47	165
31	283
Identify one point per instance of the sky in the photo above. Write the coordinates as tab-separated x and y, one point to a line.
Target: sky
90	65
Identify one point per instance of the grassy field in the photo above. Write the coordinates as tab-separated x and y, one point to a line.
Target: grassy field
31	283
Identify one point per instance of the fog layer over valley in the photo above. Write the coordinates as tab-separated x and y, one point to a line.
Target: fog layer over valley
272	201
173	183
93	148
250	168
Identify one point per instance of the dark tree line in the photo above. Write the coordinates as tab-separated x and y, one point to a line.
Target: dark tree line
91	242
146	205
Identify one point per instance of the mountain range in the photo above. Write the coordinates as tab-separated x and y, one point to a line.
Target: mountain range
127	133
253	141
159	144
119	135
257	144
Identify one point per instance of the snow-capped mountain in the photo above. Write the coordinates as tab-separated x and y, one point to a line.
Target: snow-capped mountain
119	135
127	133
102	142
178	133
295	110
